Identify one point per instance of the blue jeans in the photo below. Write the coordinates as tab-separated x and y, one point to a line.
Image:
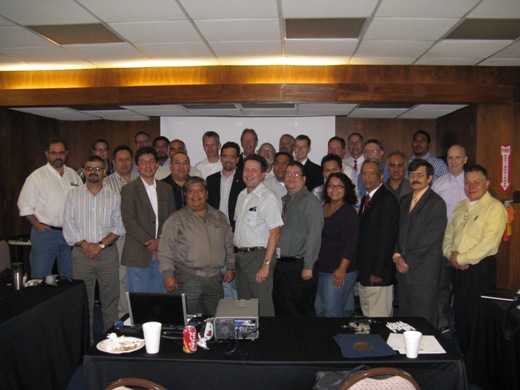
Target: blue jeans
334	301
147	279
47	246
230	289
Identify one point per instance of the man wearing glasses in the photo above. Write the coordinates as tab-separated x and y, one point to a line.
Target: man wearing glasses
41	201
295	284
92	224
100	148
418	255
145	204
196	243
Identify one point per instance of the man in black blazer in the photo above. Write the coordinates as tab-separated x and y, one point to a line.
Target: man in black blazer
229	157
418	254
313	173
143	222
378	227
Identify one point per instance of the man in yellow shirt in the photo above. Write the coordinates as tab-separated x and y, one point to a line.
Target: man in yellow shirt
470	243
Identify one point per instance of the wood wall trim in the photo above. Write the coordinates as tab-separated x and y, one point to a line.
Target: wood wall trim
262	84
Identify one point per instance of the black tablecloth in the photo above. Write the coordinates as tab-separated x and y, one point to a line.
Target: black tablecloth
43	335
287	355
493	360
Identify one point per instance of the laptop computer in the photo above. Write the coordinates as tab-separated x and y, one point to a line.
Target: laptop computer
168	309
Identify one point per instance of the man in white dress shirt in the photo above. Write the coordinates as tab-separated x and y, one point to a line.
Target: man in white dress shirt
41	201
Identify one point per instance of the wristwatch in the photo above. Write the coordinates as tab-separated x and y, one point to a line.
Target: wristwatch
267	261
101	245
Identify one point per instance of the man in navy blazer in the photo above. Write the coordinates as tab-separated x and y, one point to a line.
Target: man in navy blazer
229	157
418	254
378	227
145	204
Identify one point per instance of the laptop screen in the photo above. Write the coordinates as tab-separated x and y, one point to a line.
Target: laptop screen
168	309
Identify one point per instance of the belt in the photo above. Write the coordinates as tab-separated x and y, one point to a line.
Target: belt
289	259
247	250
55	227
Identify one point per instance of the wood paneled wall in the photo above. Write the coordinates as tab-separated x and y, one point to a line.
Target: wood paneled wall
81	135
395	134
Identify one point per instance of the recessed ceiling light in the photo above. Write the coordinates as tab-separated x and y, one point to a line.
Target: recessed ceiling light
75	34
346	28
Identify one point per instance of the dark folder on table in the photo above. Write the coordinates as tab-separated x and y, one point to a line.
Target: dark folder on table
363	345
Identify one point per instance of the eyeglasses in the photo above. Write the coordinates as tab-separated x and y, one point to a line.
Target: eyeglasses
54	154
335	187
97	169
101	150
295	174
420	175
196	191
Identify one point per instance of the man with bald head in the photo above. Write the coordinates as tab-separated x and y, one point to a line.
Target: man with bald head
175	146
450	187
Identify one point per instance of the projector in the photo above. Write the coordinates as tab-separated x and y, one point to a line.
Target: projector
236	319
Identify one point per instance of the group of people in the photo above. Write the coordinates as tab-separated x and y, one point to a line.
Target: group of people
257	223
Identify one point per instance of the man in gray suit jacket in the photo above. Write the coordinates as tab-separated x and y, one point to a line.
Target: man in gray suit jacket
418	256
145	204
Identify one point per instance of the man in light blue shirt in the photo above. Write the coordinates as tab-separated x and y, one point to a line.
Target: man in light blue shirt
421	145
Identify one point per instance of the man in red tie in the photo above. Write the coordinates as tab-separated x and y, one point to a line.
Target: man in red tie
378	223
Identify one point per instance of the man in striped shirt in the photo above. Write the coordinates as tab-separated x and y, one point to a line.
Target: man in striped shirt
92	224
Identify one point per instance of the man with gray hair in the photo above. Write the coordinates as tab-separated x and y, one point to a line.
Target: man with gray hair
211	164
267	151
195	244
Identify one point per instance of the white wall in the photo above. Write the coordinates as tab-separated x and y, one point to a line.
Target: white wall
191	129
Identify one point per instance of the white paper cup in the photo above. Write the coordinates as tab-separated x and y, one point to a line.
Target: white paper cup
152	336
412	341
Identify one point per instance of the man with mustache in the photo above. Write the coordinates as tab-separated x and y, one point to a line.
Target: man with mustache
41	202
92	224
418	254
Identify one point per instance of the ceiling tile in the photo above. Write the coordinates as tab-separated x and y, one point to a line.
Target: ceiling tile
178	51
230	9
5	22
320	47
240	30
501	62
327	8
36	55
512	51
247	49
59	113
269	112
425	8
8	61
496	9
392	48
360	60
157	32
105	54
135	10
465	49
399	29
377	112
158	110
441	61
15	36
32	12
117	115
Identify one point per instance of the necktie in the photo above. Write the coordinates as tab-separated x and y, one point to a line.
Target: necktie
413	202
355	165
367	200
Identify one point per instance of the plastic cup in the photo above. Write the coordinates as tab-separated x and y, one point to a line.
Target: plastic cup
152	336
412	341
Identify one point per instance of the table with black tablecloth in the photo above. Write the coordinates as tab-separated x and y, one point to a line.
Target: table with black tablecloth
43	335
286	356
493	360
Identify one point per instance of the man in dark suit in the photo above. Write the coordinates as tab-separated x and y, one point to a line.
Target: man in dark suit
145	204
378	227
313	173
230	179
418	255
224	188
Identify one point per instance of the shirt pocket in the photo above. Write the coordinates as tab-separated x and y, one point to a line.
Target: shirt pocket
252	218
474	229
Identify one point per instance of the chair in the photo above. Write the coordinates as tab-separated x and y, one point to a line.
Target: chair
135	382
5	256
381	378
